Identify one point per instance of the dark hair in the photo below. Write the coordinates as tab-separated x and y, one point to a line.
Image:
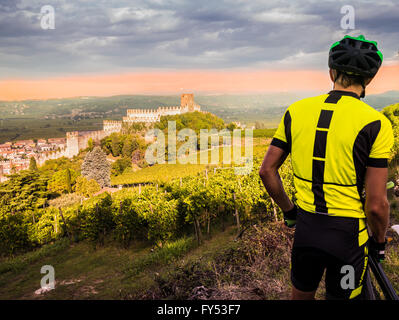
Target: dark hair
347	80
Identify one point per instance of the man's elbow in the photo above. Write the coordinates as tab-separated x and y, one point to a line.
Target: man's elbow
266	172
378	208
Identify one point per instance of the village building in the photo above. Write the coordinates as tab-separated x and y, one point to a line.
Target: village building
16	156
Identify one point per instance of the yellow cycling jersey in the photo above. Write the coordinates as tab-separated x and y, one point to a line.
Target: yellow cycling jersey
332	139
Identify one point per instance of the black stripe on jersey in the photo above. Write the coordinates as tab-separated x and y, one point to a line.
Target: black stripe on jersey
333	98
325	119
377	163
317	186
361	150
319	151
280	144
335	95
320	144
287	127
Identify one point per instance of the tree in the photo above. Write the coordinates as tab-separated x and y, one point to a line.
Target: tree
86	187
115	145
120	165
95	166
231	126
62	181
90	144
106	144
25	190
68	180
129	146
32	164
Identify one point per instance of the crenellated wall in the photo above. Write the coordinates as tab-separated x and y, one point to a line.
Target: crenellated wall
50	155
111	126
77	141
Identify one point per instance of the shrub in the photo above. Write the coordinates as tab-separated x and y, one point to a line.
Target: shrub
85	187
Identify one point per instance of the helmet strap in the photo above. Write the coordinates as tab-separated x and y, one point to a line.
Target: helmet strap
363	94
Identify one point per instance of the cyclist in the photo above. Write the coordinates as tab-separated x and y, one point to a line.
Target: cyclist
339	147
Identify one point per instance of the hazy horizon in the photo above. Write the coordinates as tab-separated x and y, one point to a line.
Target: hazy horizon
106	48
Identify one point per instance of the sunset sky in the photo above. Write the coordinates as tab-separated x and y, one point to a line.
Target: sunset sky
112	47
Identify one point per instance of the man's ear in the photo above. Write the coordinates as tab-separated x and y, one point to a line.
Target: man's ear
331	75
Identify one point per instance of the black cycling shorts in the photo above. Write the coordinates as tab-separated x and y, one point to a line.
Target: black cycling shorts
327	243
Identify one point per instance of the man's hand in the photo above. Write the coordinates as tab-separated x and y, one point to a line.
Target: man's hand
290	217
377	250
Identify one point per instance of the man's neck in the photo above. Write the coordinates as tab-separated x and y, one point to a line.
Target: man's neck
356	89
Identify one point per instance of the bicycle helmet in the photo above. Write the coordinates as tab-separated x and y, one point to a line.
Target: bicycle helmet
355	56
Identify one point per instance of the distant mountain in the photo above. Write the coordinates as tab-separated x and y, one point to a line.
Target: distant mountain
70	107
380	101
267	107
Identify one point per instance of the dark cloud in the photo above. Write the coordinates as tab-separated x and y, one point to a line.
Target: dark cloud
119	35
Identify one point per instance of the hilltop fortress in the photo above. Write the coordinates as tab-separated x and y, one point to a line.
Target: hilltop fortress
187	104
77	141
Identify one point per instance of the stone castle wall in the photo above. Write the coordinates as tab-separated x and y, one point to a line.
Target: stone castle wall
111	126
77	141
187	104
42	158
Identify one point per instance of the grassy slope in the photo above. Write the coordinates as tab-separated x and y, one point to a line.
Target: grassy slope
227	269
167	172
83	272
255	267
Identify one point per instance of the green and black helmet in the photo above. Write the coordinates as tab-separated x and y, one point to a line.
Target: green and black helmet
355	56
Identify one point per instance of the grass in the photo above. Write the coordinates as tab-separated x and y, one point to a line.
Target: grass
20	262
391	263
158	173
256	267
162	255
83	272
166	172
264	133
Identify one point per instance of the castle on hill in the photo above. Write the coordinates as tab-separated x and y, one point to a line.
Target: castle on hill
187	104
77	141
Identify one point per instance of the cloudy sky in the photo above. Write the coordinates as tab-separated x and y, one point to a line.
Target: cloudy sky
105	47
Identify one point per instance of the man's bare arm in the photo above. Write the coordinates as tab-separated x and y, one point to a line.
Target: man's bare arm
377	205
268	172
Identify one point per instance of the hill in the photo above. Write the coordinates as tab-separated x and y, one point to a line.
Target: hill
379	101
52	118
176	240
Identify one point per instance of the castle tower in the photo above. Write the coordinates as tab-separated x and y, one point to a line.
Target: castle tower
187	102
72	144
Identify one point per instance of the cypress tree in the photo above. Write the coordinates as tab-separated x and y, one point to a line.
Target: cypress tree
32	164
68	181
95	166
